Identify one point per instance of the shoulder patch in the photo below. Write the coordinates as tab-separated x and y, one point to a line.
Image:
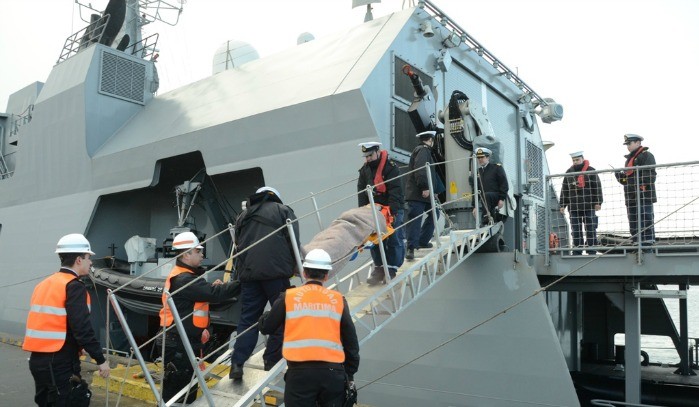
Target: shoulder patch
499	164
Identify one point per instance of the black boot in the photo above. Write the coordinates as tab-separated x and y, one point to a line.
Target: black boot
236	372
410	254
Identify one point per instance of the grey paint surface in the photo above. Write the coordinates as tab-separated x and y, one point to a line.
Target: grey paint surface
500	363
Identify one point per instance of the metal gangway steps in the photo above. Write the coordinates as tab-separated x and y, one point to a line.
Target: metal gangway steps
371	307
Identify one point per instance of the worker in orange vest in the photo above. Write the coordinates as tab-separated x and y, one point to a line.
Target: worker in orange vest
320	341
59	328
193	299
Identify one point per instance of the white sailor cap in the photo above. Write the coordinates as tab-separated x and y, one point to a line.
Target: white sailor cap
483	152
426	134
576	154
628	138
369	147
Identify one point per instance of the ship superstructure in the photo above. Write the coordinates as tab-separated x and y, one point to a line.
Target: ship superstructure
96	150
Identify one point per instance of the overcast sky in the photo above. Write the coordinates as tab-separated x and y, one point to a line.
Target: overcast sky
616	66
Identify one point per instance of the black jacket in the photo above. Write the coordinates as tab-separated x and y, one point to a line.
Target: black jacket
577	198
272	258
492	179
199	291
80	334
644	177
394	190
417	181
276	317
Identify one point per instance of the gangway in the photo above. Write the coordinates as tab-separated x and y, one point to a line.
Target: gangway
371	307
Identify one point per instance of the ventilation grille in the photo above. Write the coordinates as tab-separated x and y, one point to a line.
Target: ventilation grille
535	169
122	78
541	233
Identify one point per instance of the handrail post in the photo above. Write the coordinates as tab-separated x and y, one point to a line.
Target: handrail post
107	340
134	346
548	211
369	192
317	211
434	205
639	234
187	348
476	195
295	248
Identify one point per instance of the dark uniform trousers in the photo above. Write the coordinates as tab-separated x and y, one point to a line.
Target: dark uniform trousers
308	383
254	296
178	372
588	218
41	367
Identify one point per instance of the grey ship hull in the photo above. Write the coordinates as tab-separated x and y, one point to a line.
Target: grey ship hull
103	163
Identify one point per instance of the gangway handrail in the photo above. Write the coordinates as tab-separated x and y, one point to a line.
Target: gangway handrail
406	288
467	242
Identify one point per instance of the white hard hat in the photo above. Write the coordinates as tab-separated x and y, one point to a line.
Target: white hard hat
73	243
269	189
186	240
318	259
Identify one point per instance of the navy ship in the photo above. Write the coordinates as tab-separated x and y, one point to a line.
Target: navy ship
496	314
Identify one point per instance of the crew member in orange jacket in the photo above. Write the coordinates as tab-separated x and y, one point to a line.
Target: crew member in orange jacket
193	299
58	325
320	341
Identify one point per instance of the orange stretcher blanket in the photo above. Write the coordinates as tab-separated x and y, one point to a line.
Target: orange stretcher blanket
352	231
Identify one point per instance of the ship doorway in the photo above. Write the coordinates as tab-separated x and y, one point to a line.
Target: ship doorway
152	213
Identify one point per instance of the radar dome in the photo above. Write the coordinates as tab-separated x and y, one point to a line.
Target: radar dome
304	37
233	54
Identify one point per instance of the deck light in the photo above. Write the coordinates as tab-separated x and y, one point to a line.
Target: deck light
453	40
426	29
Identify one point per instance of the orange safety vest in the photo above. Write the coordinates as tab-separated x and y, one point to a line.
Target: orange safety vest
312	327
200	318
47	323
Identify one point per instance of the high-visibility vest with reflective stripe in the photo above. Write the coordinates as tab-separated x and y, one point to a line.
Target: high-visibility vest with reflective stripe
200	317
312	327
47	323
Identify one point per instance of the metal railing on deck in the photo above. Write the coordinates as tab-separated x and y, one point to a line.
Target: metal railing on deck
670	228
473	45
82	39
144	49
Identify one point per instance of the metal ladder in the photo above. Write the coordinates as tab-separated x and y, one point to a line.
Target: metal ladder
4	171
371	307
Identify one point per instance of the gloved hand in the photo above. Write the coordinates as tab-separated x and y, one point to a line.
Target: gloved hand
621	177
